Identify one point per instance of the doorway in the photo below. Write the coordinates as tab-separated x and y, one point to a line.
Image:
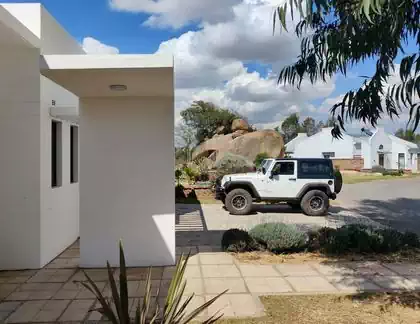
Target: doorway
401	161
381	159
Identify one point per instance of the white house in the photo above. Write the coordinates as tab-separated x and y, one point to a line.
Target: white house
376	148
116	182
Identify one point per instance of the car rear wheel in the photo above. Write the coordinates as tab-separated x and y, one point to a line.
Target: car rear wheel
239	202
315	203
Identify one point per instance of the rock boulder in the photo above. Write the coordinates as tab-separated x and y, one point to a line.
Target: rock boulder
248	145
240	124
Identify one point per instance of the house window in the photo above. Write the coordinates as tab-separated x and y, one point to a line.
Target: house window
74	154
358	146
56	154
328	155
381	147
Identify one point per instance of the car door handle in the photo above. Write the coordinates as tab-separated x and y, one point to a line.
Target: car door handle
292	179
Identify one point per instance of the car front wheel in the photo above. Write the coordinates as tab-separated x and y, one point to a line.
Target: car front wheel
239	202
315	203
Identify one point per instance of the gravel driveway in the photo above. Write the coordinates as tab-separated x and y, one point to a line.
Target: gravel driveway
394	203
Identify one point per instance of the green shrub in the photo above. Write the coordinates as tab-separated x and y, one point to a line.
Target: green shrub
178	175
192	195
237	240
396	173
411	239
179	192
358	238
259	158
190	172
279	237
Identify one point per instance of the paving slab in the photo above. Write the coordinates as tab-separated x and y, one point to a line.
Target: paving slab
220	271
334	269
267	286
215	258
404	269
26	312
250	270
371	269
77	310
296	270
236	305
392	282
217	285
353	284
310	284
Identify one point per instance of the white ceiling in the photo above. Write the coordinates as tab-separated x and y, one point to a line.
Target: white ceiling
92	75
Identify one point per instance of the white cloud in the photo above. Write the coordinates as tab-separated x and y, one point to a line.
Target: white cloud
177	13
210	65
93	46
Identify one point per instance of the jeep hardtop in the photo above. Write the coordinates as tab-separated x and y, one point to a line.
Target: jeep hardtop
306	183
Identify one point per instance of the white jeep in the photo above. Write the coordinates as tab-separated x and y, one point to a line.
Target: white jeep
308	184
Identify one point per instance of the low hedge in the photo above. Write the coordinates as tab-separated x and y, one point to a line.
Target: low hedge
237	240
285	238
279	237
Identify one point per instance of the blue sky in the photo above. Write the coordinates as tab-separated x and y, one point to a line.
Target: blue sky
224	52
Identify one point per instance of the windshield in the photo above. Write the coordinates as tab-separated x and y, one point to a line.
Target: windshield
265	166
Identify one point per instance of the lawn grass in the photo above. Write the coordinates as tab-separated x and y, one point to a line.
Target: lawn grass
351	178
384	308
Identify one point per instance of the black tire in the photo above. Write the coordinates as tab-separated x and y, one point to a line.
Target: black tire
311	199
338	182
234	198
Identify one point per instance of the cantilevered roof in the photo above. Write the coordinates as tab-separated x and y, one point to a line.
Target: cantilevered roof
111	75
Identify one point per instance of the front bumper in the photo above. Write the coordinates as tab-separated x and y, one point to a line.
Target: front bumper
220	193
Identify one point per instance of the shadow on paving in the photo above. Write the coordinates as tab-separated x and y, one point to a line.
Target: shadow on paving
402	213
192	230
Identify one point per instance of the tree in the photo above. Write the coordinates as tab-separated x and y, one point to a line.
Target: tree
184	141
339	34
308	126
291	127
205	118
408	135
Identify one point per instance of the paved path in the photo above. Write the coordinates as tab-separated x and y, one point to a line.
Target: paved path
394	203
49	295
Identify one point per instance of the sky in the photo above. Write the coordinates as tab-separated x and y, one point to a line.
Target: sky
225	52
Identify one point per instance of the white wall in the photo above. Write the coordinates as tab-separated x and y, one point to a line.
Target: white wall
37	222
60	205
126	170
380	137
19	158
314	146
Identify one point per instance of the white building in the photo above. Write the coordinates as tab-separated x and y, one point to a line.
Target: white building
358	152
124	105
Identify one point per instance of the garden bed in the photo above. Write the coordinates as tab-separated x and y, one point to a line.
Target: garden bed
285	243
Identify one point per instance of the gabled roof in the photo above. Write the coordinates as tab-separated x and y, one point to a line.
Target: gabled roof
290	147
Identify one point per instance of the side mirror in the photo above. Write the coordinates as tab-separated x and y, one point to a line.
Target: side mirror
272	174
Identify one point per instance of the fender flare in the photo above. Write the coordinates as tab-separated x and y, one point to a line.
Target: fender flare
314	186
230	185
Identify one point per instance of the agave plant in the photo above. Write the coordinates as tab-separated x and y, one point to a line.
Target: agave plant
116	309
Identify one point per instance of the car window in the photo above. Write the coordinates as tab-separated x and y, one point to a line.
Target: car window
315	169
284	168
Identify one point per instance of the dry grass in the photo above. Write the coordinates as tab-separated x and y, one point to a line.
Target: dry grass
358	177
383	308
412	256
